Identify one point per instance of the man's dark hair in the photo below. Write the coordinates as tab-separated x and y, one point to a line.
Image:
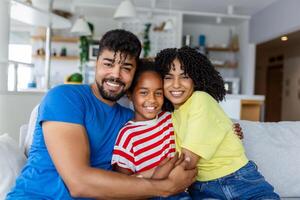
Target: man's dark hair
197	66
144	65
122	41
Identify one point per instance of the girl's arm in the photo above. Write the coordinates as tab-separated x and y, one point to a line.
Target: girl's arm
122	170
144	174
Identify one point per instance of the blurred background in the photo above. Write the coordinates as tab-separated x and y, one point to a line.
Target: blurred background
254	44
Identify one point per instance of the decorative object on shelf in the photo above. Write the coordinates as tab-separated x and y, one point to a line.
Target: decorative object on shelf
234	43
54	52
75	78
146	41
160	27
125	11
63	51
40	51
93	51
202	42
187	40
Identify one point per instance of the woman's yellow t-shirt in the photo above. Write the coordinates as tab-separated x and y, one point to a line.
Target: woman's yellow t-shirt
202	127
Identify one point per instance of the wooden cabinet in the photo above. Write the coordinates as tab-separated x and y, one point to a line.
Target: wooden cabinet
251	110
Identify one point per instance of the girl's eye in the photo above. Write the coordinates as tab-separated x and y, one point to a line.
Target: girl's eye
159	93
185	77
143	93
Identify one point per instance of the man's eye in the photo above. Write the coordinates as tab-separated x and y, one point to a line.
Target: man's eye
108	64
167	77
127	69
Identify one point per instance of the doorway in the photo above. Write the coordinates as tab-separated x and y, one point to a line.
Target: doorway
274	93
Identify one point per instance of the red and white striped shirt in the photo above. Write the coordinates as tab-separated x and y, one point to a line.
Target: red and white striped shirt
142	145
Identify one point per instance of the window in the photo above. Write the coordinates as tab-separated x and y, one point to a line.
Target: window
19	55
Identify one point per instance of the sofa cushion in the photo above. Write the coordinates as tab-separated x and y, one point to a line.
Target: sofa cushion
275	147
12	160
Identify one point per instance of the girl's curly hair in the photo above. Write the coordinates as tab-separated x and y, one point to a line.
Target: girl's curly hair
197	66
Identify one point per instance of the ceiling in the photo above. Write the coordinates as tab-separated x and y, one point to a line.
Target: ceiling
241	7
293	40
202	8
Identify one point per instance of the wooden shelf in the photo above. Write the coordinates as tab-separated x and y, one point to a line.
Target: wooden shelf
56	38
227	65
224	49
58	57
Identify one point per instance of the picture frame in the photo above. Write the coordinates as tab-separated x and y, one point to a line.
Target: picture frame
93	51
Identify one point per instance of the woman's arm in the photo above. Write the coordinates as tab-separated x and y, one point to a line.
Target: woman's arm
192	158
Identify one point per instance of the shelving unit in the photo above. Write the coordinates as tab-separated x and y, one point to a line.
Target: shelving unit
228	65
63	58
56	38
222	49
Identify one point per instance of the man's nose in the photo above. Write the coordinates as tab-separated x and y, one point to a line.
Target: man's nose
116	71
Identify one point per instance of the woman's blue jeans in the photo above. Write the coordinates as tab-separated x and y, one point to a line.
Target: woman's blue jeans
245	184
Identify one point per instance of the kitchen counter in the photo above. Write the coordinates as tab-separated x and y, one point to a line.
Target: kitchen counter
245	107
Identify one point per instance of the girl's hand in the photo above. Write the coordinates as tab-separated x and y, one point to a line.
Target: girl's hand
163	170
238	130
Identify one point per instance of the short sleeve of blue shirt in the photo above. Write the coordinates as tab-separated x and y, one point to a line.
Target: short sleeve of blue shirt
62	104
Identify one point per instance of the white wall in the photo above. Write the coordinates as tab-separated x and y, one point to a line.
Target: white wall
215	34
15	109
246	68
279	18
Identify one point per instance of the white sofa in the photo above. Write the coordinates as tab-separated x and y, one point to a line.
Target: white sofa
275	147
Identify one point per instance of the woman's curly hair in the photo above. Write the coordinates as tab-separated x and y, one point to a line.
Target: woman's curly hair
197	66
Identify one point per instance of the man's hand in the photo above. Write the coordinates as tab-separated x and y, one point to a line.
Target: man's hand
238	130
180	178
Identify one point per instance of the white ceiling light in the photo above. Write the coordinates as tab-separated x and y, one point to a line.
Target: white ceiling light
284	38
125	10
169	23
81	27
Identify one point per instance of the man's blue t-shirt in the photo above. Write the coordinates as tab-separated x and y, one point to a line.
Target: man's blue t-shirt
73	104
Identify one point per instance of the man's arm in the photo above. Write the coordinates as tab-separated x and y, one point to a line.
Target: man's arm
68	147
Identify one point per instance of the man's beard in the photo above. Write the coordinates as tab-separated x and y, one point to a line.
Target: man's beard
109	95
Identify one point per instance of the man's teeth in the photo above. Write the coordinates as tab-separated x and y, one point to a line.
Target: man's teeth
112	84
177	93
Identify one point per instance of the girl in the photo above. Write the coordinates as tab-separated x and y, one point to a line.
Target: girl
149	138
203	131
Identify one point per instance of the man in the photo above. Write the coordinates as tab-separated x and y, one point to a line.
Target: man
76	130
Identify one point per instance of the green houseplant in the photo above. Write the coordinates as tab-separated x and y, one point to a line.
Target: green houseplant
84	42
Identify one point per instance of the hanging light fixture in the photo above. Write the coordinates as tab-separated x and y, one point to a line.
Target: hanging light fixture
125	10
81	27
169	23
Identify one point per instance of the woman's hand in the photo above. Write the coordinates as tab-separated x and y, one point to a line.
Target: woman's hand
238	130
